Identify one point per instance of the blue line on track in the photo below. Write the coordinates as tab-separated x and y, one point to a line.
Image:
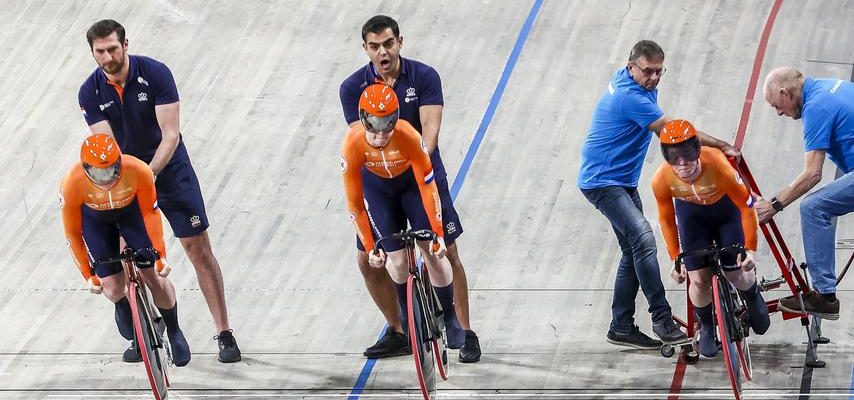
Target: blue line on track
359	386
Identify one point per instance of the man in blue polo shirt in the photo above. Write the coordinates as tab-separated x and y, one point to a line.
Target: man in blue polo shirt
827	109
419	91
134	99
611	162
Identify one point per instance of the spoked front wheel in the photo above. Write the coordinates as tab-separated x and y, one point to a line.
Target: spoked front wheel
422	350
149	339
728	345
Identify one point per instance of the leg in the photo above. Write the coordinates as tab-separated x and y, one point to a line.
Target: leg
623	209
818	226
701	296
381	288
461	287
209	274
442	279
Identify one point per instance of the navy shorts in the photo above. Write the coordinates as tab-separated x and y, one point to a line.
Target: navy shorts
101	231
180	198
701	225
393	202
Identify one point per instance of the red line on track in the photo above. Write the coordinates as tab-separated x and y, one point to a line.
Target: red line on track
754	77
679	374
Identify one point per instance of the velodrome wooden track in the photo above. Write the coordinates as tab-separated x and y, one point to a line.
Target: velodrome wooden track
262	121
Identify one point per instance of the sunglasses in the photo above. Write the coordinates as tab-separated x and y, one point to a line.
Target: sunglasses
649	71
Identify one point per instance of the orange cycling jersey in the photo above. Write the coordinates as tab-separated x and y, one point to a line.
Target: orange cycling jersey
717	179
136	182
405	149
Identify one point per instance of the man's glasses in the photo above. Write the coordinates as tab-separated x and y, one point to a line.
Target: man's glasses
647	72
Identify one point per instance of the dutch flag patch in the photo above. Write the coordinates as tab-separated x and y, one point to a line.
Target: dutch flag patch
428	177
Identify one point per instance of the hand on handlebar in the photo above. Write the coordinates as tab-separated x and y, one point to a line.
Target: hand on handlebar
747	262
163	268
94	285
678	276
437	248
377	258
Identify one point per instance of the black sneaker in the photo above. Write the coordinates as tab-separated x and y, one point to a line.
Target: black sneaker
635	339
228	350
814	304
392	344
131	355
669	333
470	352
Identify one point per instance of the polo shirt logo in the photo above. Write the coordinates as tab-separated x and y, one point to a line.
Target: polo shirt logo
142	96
410	95
105	106
142	81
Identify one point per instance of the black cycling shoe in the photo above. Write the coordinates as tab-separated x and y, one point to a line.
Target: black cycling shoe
392	344
131	354
470	352
228	350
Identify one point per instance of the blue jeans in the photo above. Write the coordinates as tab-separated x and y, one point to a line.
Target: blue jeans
818	227
639	264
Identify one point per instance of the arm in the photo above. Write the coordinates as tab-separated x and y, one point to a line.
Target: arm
740	195
351	168
168	117
147	196
431	121
72	222
666	214
423	171
705	139
806	180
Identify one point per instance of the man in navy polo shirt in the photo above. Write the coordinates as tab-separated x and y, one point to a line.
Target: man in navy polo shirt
611	162
134	99
419	90
827	109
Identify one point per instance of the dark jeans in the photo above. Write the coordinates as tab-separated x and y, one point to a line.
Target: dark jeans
638	266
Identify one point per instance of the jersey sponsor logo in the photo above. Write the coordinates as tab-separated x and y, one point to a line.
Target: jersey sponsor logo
352	217
142	81
156	206
836	86
343	164
384	164
105	105
195	221
61	199
439	216
424	146
142	96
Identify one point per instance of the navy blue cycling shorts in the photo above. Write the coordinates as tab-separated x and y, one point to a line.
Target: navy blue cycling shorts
393	202
101	231
180	198
702	225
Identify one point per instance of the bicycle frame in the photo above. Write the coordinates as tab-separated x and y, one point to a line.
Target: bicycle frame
423	306
148	326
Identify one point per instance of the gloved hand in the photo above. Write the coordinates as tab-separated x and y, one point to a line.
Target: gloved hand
94	285
748	262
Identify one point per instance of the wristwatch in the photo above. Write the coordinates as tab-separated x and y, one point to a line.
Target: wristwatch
776	204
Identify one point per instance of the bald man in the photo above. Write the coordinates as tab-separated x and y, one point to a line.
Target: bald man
827	109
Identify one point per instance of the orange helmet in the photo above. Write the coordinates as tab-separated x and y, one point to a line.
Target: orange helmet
101	159
378	108
679	139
